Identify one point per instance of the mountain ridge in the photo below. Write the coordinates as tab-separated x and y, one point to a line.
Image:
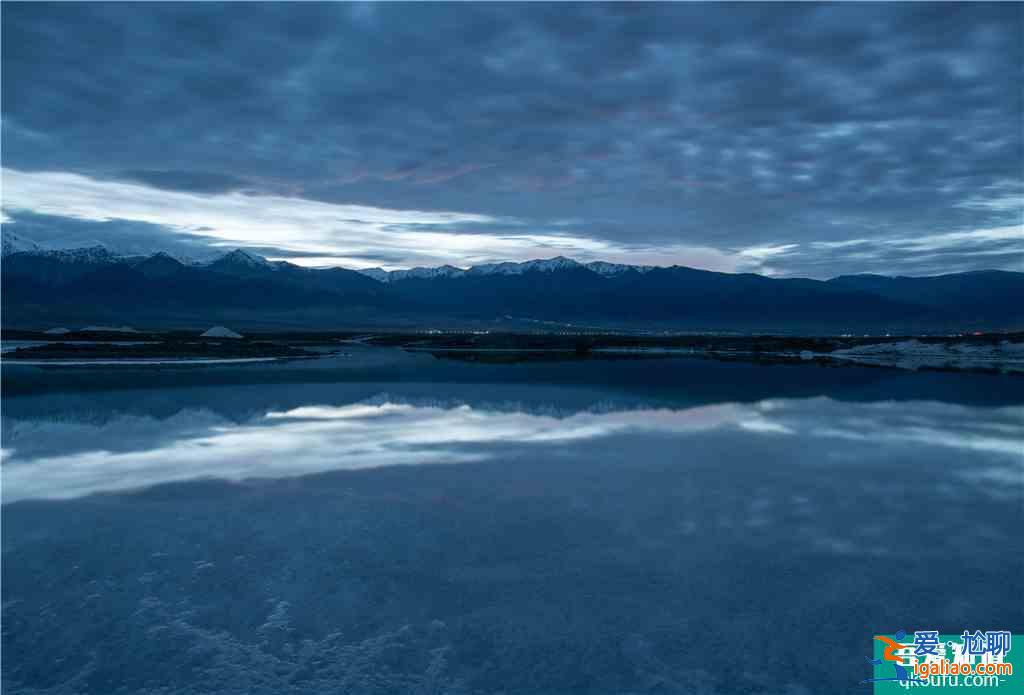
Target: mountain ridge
239	256
71	283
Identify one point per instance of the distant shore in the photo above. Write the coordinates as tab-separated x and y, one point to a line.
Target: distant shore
154	351
996	352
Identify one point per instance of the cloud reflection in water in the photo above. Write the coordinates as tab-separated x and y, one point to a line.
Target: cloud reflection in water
62	456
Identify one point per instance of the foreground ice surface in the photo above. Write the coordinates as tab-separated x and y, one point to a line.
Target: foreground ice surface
258	538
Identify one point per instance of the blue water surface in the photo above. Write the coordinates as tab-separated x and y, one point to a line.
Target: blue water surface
412	525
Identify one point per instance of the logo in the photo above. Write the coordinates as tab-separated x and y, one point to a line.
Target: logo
927	659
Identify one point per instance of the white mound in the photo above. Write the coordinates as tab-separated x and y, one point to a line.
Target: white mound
220	332
57	331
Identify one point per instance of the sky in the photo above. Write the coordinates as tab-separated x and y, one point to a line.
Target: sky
788	139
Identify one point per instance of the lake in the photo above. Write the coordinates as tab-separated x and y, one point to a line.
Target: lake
382	522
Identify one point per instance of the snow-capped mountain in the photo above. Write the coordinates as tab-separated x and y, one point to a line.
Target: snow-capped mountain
160	264
96	253
444	271
378	274
91	254
505	268
609	269
547	265
165	256
417	273
246	261
240	258
543	266
12	243
72	284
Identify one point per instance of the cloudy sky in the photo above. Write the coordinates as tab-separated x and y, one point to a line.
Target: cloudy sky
799	139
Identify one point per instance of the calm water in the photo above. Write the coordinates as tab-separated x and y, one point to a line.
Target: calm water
417	526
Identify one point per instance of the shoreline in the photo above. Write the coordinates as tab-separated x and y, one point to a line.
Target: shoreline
993	353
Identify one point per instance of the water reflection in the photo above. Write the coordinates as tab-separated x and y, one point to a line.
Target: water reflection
101	448
263	539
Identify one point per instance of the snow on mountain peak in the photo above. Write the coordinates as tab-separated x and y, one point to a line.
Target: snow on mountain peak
509	268
12	243
444	271
378	274
608	269
556	263
241	256
546	265
97	253
418	273
90	254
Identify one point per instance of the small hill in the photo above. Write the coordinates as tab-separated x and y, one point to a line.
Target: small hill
220	332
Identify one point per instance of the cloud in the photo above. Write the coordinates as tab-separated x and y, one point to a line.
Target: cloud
196	181
62	209
723	126
1001	247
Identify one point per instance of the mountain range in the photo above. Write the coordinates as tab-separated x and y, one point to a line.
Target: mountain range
42	288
